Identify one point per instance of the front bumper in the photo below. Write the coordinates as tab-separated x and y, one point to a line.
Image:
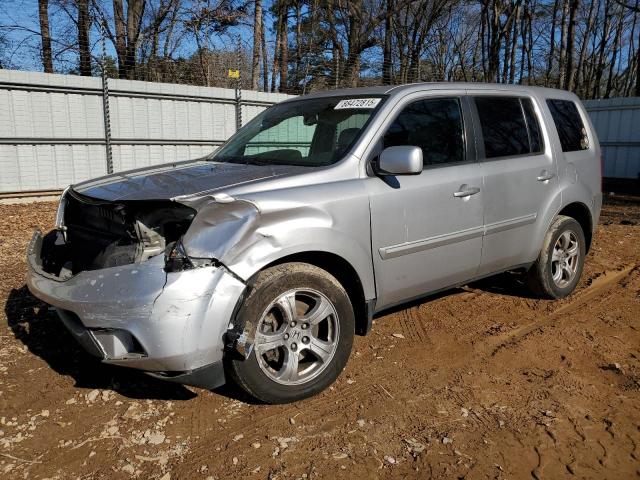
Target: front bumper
140	316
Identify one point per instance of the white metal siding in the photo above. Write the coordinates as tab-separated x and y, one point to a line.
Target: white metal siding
151	123
617	124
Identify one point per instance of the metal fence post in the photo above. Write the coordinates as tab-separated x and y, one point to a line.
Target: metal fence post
239	87
105	106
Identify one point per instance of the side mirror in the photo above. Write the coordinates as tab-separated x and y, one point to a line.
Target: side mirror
400	160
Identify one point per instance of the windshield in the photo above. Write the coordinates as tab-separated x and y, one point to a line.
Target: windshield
312	132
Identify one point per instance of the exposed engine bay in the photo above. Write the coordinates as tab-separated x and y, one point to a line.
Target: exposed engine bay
93	234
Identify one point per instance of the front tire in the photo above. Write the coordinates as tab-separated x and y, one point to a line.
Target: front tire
303	326
558	268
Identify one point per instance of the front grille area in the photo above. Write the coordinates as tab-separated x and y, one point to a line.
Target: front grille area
100	234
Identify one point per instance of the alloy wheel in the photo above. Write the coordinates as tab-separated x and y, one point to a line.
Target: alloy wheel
565	258
297	336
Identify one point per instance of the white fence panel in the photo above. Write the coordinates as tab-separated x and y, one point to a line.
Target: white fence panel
52	126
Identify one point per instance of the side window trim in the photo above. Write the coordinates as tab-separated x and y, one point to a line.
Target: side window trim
479	137
536	117
526	124
468	125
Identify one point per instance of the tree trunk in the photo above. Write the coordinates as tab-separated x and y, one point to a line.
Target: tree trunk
275	68
494	44
580	76
284	49
599	68
121	41
614	55
265	60
629	76
589	67
552	42
257	45
47	59
474	61
386	53
352	68
84	24
201	60
514	45
563	44
530	46
523	38
135	10
299	70
571	40
637	90
505	57
337	52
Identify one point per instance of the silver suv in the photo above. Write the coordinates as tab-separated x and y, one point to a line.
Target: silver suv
260	262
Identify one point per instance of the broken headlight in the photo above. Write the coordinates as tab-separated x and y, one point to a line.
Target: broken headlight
176	259
60	212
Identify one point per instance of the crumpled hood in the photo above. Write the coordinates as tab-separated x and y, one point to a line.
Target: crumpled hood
178	179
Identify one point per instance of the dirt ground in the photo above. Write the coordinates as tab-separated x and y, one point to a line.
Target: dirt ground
481	382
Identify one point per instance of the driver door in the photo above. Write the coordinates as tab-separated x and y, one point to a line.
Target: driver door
427	229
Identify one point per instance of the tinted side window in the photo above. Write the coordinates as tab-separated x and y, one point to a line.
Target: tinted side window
535	134
434	125
573	135
503	126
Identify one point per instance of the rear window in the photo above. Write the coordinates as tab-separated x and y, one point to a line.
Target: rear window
571	130
509	126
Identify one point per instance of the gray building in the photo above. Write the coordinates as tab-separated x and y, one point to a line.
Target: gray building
617	123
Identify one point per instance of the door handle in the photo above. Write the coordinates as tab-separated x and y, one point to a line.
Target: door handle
545	176
466	191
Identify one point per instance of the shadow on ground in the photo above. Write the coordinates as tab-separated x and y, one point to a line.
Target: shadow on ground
37	326
511	284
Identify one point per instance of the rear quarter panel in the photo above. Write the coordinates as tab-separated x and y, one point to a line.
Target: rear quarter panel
579	172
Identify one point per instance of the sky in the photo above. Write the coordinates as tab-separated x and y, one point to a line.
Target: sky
20	26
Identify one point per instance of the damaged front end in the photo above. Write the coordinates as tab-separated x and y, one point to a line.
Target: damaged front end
123	284
93	234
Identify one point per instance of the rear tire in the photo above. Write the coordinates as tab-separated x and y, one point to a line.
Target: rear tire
303	323
558	268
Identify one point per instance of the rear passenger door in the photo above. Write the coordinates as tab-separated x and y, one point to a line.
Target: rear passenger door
520	178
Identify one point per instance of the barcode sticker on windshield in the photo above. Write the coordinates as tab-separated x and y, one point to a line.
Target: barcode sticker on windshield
357	103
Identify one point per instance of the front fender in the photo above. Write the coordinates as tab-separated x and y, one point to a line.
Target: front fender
246	236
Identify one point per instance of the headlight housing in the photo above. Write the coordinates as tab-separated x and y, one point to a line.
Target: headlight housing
176	259
60	212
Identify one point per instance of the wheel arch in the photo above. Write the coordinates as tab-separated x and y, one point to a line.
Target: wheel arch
581	214
344	272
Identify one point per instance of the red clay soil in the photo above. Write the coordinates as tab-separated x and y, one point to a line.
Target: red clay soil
481	382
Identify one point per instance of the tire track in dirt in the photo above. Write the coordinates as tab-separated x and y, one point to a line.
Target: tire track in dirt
549	394
315	408
598	287
411	325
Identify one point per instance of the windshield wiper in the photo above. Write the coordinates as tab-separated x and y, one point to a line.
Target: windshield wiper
240	160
